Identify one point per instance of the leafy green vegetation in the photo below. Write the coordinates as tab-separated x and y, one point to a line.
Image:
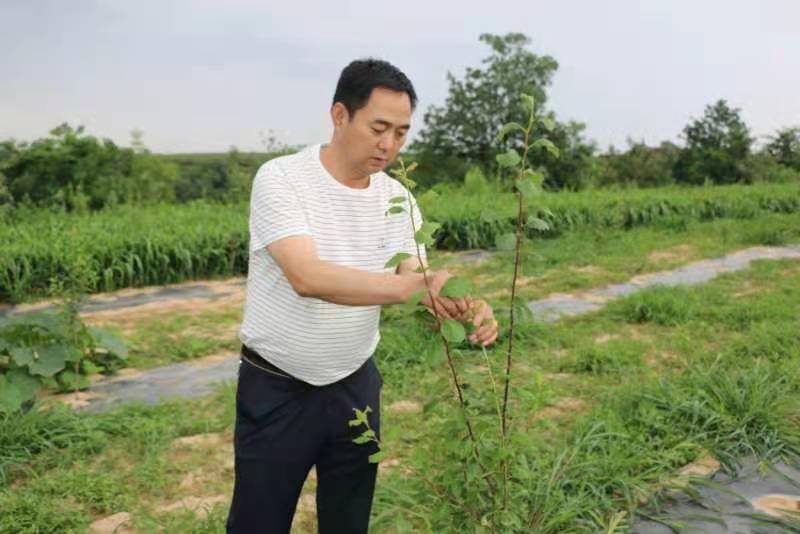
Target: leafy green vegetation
606	409
138	246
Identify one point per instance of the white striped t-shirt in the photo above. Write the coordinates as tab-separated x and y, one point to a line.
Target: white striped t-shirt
318	341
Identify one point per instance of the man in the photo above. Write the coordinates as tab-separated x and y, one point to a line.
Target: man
319	239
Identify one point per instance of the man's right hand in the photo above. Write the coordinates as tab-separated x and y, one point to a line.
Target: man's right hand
446	308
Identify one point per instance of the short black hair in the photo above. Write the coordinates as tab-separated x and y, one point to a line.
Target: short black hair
361	76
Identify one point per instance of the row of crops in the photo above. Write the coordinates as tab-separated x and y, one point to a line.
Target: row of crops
131	246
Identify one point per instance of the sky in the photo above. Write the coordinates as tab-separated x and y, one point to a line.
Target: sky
203	75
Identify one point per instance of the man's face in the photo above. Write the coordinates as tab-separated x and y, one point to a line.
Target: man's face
377	131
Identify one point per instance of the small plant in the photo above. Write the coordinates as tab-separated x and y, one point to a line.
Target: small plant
493	472
54	349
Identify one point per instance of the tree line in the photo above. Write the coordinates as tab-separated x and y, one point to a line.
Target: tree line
75	171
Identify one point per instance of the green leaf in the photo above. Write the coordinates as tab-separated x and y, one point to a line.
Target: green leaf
11	397
507	129
397	200
422	238
537	224
395	209
354	422
376	458
548	123
548	145
536	177
424	316
26	384
411	166
527	187
395	260
360	440
71	381
456	287
528	103
453	331
430	227
509	158
107	340
506	242
417	297
48	359
22	355
88	368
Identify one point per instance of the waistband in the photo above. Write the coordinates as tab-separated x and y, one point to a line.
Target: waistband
254	358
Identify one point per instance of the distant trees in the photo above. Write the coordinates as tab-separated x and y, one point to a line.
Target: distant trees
717	147
784	147
640	165
78	172
462	132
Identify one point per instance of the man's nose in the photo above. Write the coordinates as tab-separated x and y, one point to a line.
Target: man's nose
386	142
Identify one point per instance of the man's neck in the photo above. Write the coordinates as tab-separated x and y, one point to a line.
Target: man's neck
331	159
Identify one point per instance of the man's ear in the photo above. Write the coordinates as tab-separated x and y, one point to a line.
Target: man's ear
339	115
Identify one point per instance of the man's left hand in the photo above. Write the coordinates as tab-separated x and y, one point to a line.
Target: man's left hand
485	324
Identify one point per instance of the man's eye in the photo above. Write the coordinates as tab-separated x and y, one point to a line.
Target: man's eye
378	131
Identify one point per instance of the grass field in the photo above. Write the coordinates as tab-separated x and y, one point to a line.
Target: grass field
606	407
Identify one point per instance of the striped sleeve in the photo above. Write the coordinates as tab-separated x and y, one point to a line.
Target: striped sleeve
275	209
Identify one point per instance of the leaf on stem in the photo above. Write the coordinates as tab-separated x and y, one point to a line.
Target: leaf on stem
528	103
507	129
424	236
509	158
395	260
456	287
547	145
527	187
395	209
397	200
109	341
453	331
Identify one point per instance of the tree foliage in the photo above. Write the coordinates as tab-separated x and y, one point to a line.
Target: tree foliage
462	132
784	147
641	165
717	147
78	171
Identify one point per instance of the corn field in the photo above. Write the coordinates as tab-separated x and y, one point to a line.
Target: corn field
139	246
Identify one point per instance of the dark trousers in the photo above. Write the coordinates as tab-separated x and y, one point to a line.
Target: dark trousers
284	427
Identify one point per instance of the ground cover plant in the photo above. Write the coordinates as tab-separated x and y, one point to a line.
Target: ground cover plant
54	349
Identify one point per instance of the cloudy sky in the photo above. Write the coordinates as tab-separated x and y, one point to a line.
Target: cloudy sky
198	75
